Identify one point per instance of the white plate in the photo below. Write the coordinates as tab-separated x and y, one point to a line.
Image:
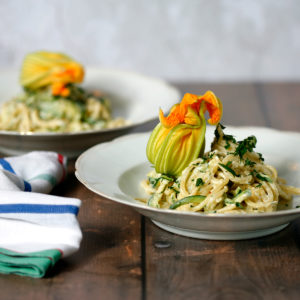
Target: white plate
114	170
133	96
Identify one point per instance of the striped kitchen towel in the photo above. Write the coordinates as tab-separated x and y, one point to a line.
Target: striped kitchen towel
36	229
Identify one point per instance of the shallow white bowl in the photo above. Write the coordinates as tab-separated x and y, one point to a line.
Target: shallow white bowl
133	96
114	170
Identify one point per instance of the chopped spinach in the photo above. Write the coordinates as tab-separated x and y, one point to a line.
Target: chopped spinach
254	173
219	127
239	205
250	163
245	145
173	189
227	168
263	178
153	181
229	138
211	155
199	182
204	158
260	156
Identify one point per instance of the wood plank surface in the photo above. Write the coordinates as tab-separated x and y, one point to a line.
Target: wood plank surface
282	103
125	256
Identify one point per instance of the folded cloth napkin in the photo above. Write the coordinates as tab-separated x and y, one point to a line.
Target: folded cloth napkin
36	229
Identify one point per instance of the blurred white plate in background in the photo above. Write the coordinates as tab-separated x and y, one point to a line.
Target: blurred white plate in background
133	96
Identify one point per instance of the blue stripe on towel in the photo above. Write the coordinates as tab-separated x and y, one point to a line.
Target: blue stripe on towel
6	166
27	186
38	209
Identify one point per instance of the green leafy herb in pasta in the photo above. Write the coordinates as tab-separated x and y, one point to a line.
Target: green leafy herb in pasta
199	182
250	163
235	181
245	145
227	168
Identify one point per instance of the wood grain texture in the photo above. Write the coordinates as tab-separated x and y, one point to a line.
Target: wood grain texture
264	268
281	101
125	256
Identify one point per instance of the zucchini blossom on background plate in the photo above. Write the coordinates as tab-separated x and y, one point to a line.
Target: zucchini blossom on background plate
42	68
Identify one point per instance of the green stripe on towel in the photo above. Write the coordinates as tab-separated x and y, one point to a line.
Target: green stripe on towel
34	264
47	177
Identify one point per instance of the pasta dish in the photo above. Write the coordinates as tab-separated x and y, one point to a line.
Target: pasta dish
231	178
42	112
52	101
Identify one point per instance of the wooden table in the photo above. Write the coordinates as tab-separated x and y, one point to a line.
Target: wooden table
125	256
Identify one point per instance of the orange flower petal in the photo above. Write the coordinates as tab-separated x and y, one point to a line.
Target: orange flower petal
179	113
57	88
65	92
214	107
70	73
174	118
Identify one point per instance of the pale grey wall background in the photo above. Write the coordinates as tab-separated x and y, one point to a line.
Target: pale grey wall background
224	40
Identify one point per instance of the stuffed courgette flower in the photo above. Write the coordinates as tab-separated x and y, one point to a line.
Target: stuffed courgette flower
57	70
179	138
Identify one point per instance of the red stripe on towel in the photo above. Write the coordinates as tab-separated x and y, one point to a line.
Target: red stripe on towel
61	161
61	252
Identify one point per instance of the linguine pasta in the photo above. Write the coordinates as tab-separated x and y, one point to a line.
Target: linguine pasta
231	178
41	111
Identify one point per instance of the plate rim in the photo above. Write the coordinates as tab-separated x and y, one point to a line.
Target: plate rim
136	205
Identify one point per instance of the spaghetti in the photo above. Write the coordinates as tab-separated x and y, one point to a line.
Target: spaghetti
40	111
231	178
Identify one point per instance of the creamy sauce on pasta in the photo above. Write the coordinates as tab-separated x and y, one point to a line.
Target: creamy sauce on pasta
231	178
40	111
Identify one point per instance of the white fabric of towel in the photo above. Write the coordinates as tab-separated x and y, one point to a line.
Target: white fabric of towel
31	220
